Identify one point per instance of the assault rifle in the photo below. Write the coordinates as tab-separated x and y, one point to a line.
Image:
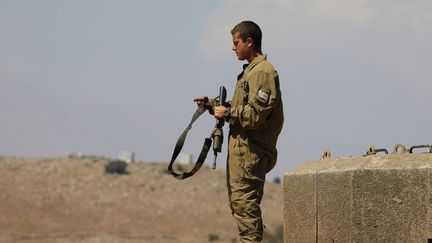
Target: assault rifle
216	135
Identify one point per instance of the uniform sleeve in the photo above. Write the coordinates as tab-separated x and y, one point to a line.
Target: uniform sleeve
262	97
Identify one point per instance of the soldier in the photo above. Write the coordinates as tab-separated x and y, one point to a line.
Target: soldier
255	115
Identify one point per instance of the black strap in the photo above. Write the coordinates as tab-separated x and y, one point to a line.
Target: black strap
179	145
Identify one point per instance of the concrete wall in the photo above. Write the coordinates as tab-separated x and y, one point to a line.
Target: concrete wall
376	198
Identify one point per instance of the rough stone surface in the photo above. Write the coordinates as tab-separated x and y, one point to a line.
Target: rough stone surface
376	198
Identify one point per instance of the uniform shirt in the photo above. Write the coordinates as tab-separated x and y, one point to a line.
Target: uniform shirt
256	114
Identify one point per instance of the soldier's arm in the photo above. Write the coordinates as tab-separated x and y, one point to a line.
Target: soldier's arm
263	96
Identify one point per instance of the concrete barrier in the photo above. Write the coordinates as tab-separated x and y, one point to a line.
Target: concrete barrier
374	198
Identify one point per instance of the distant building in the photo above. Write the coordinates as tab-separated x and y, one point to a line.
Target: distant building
73	155
185	159
127	156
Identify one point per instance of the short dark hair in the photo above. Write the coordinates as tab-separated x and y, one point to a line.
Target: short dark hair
249	29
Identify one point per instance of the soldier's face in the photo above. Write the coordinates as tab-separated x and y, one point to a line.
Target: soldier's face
241	49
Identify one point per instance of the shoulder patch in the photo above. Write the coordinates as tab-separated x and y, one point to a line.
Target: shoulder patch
263	96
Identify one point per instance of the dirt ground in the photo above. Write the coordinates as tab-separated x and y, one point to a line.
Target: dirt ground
65	200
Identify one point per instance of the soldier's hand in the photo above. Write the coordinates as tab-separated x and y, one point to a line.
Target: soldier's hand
201	100
219	111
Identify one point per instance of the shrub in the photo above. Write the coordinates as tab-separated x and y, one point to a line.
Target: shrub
116	167
277	180
213	237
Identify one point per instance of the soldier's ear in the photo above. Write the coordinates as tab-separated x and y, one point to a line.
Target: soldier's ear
249	42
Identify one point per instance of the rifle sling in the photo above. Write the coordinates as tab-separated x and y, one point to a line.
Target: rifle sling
179	145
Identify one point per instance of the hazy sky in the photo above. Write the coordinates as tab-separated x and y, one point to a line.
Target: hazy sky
98	77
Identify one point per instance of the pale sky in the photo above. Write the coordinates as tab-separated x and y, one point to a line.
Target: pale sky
99	77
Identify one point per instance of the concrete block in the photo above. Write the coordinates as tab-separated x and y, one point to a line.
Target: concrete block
376	198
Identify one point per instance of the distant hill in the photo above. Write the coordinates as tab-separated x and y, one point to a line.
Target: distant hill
61	200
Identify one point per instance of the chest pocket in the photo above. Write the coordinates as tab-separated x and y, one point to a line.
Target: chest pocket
243	90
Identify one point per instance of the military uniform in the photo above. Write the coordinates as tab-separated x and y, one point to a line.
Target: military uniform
255	118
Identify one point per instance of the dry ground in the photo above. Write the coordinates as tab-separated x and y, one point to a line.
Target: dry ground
59	200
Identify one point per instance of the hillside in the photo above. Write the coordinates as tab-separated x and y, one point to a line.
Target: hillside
60	200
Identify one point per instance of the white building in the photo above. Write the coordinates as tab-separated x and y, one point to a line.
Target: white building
127	156
73	155
185	159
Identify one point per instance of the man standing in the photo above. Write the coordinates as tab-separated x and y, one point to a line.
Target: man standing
255	115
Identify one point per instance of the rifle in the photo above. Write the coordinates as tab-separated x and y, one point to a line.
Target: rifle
216	135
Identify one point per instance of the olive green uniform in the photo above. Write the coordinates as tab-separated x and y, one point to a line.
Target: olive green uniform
256	119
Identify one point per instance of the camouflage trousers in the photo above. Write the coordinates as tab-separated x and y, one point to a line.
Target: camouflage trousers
245	180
